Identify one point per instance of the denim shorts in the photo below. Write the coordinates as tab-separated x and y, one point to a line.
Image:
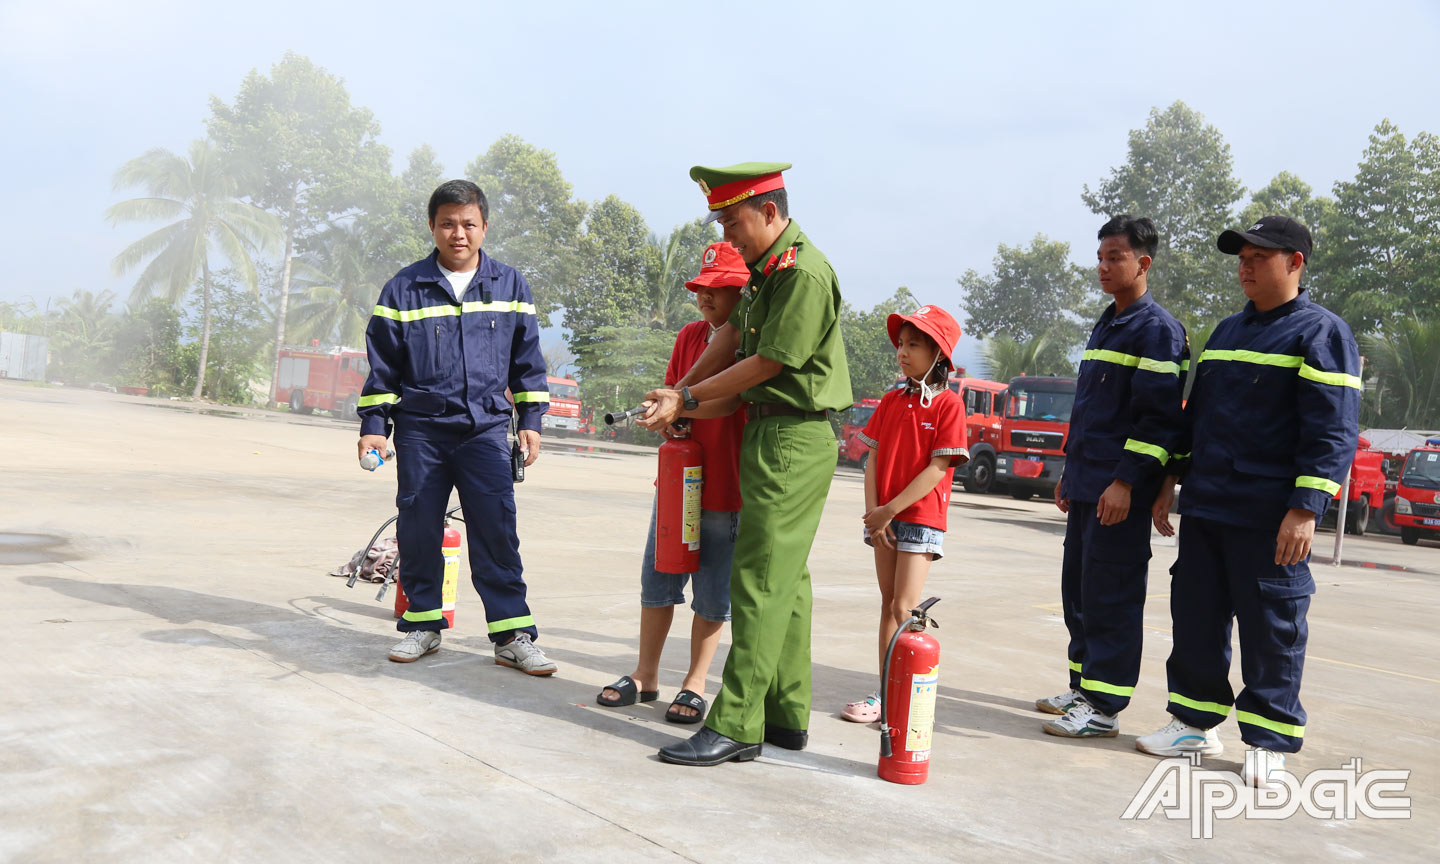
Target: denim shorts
711	584
910	537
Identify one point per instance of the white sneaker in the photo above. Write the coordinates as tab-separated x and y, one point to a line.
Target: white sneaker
416	644
1259	765
520	653
1178	738
1058	704
1083	721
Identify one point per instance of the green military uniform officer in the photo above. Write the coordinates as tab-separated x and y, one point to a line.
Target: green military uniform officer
789	366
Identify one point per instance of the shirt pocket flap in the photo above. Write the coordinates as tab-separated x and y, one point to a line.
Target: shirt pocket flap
421	402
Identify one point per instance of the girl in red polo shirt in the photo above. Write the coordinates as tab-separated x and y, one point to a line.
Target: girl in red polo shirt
917	436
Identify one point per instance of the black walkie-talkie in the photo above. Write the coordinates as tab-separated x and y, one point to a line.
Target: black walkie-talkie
517	453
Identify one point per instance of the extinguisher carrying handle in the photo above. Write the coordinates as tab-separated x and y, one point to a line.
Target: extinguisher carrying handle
917	615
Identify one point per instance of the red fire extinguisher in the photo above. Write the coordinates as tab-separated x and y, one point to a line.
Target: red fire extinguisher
909	683
677	506
450	549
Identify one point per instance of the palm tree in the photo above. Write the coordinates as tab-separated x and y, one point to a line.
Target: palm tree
669	269
84	334
1006	358
200	191
339	285
1406	358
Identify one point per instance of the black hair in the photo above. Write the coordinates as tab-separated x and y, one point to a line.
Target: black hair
460	192
776	197
1141	233
940	373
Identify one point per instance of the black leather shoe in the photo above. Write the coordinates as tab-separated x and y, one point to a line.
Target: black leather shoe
790	739
708	747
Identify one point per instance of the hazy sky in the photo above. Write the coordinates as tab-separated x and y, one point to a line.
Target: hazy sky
923	134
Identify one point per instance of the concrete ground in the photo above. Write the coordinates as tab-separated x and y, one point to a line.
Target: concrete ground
185	682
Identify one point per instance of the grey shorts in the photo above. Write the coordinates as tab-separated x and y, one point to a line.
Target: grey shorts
910	537
710	584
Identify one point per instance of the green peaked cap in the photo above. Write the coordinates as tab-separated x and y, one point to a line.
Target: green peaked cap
725	186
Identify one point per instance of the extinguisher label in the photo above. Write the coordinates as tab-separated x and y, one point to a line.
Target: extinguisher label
921	724
452	579
694	483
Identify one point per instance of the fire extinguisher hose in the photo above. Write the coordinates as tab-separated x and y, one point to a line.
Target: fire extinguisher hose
918	614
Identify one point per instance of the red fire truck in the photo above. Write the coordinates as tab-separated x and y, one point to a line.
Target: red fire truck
1417	494
1031	455
982	423
316	378
852	420
1367	491
565	413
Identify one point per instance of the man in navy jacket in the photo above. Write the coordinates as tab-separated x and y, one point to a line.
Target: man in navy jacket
449	335
1273	423
1126	420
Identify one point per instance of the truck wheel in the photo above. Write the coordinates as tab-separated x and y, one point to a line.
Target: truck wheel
1409	536
351	409
1358	519
864	460
981	479
1021	494
297	401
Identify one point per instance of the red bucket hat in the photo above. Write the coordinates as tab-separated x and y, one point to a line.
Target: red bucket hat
720	267
934	322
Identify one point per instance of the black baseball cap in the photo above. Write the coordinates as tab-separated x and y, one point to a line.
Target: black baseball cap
1271	232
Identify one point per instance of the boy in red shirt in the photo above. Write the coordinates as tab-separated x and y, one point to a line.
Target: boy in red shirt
717	289
918	437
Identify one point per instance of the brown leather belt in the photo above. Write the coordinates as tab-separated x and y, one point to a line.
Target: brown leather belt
754	411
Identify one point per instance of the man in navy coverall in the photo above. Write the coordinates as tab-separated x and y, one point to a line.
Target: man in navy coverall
449	335
1274	418
1126	419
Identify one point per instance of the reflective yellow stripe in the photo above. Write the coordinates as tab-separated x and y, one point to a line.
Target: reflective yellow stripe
1159	453
1179	455
1289	361
1102	687
1212	707
1074	667
1305	481
511	623
449	310
1145	363
377	399
533	396
1339	379
1185	365
1273	725
433	615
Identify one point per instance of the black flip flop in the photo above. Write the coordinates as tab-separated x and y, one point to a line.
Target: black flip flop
690	699
628	694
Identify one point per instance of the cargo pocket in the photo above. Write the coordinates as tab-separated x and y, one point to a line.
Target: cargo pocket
405	501
1286	597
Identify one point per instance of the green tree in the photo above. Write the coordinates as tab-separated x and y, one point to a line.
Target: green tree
1405	359
868	351
339	284
1179	173
82	338
416	184
200	191
612	274
620	365
315	156
1031	291
535	226
678	261
1006	358
241	336
21	316
1386	235
147	346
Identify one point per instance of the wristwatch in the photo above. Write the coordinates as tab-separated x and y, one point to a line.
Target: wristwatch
689	402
